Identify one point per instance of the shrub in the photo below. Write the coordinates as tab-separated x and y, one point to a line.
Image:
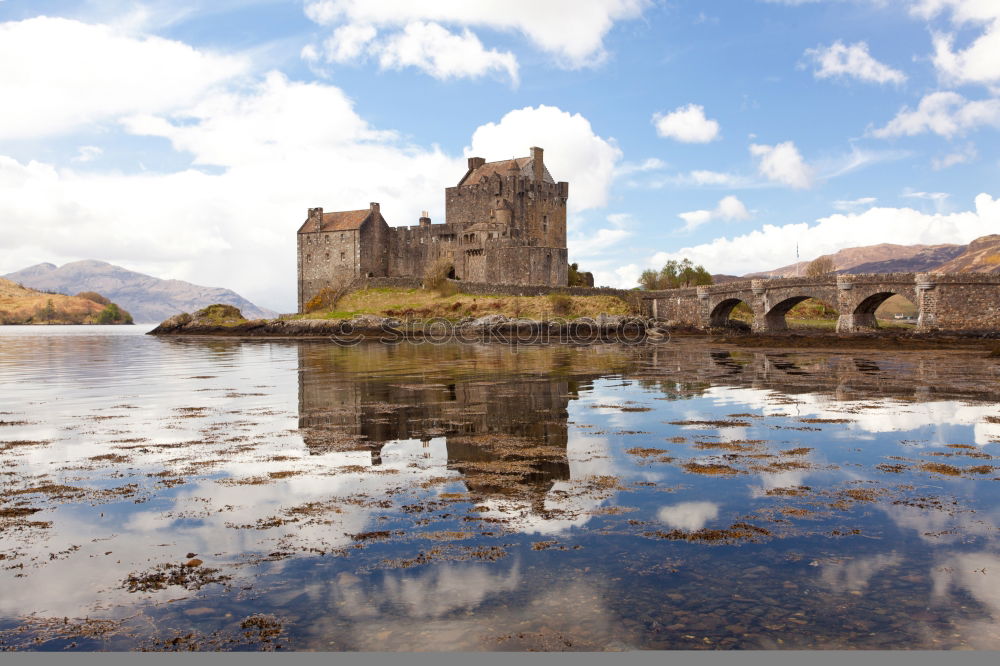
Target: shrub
327	297
561	304
578	278
436	277
219	311
112	314
94	296
675	274
820	266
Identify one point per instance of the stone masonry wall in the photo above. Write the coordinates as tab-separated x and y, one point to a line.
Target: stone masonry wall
325	258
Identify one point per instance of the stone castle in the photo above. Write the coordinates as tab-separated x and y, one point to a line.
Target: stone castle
505	223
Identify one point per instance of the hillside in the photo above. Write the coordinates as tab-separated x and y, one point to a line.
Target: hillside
882	258
149	299
981	256
20	305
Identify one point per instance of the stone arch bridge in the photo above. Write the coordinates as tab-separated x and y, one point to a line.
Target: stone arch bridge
953	301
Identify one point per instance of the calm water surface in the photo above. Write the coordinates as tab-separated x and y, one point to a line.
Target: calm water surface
213	494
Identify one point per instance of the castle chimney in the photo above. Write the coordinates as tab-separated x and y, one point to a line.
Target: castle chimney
425	221
537	164
316	215
475	163
373	206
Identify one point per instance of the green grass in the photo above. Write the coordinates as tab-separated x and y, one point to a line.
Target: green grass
420	304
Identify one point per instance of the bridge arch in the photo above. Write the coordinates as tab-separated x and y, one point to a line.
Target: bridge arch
720	314
864	314
775	317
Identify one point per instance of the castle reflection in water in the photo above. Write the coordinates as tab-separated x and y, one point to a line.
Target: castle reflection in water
503	411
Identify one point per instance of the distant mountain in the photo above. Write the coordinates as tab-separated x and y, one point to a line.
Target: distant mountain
882	258
981	256
147	298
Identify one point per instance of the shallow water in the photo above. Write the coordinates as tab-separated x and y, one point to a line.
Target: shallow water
214	494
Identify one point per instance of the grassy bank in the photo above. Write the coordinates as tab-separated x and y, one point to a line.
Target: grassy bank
425	304
21	305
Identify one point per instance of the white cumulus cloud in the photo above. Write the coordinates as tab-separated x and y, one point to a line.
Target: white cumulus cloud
945	113
688	516
570	30
60	75
773	245
782	163
348	42
687	124
442	54
573	151
979	62
729	208
854	60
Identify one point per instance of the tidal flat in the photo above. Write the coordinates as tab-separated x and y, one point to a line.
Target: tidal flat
224	494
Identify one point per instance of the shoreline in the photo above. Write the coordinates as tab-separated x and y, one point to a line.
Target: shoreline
605	328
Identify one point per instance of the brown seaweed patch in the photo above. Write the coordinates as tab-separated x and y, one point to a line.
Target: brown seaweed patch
826	420
712	469
17	511
445	535
781	466
376	535
51	489
645	452
733	445
864	494
800	451
180	575
891	469
724	423
624	408
110	457
284	474
941	468
438	553
11	444
798	513
789	491
735	533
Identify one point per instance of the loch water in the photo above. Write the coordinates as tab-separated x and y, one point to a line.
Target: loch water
211	494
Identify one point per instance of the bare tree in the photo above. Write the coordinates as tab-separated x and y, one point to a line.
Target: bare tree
820	266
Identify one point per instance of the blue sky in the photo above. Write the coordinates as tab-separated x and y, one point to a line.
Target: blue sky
187	139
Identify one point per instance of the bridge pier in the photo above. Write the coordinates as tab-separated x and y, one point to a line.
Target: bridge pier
857	322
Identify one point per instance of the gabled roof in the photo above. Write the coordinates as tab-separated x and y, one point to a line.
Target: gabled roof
346	220
523	165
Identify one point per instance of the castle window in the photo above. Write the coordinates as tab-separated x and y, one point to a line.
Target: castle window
341	256
545	223
327	256
341	235
309	257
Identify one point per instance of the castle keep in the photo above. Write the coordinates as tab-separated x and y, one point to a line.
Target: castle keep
505	223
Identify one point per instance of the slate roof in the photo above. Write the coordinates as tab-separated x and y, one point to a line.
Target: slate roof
346	220
524	165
